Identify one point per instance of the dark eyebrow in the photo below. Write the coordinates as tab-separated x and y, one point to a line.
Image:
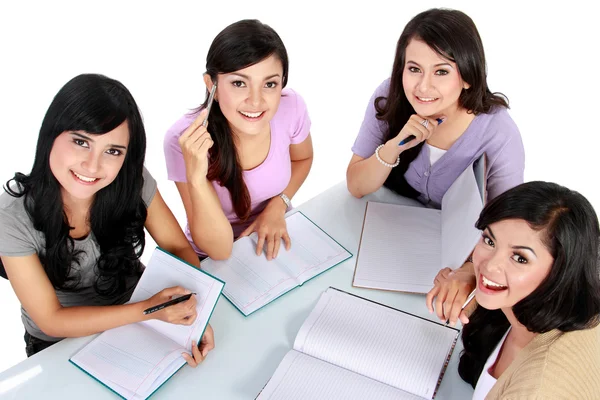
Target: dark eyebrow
514	247
117	146
247	77
436	65
525	248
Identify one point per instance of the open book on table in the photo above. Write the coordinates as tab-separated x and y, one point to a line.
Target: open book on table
352	348
402	248
135	360
253	281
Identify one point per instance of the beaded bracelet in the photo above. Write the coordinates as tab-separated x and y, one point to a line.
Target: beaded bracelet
383	162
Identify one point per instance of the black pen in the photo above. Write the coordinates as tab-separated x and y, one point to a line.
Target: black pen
168	303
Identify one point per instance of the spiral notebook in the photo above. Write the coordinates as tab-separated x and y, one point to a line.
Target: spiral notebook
135	360
352	348
402	248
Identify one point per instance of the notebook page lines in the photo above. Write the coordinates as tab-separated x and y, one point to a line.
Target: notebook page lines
165	273
253	281
386	345
301	377
400	245
130	364
250	279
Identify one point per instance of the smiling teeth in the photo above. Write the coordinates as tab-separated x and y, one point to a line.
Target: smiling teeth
427	98
251	115
487	282
84	178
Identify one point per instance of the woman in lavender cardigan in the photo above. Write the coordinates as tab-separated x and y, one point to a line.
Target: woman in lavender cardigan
431	119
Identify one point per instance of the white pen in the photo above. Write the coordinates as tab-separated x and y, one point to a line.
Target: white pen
471	297
211	97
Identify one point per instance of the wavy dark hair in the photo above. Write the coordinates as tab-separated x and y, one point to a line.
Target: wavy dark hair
568	299
97	105
454	36
240	45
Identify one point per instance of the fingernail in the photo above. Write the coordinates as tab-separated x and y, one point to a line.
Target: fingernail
440	120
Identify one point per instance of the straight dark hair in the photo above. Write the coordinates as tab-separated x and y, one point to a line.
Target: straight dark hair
454	36
94	104
240	45
568	299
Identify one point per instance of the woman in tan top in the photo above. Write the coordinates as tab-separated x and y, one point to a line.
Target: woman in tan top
535	333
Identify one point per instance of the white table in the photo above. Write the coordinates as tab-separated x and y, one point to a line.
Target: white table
248	350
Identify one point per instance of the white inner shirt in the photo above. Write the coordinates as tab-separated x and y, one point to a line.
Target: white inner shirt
435	153
487	381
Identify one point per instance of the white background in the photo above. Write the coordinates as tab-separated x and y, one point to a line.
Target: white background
539	55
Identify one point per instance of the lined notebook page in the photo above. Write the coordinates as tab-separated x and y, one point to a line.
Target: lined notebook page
252	281
389	346
400	248
163	271
129	359
461	207
301	377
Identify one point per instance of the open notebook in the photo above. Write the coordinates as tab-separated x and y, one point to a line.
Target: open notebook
402	248
253	281
352	348
135	360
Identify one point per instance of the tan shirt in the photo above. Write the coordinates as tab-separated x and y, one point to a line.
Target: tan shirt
555	365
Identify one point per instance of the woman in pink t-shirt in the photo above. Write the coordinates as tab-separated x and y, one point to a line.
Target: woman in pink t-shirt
237	175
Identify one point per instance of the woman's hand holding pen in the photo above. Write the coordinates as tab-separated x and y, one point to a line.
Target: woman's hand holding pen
416	130
195	143
183	313
451	289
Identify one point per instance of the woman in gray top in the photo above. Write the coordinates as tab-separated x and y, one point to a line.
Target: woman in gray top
72	231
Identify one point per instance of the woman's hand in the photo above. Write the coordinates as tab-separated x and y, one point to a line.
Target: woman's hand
417	128
450	291
199	352
271	228
195	142
183	313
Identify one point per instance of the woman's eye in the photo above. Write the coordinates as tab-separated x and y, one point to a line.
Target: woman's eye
520	259
441	72
271	85
238	84
114	152
414	69
488	241
80	142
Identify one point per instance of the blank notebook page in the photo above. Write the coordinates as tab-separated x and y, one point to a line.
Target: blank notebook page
400	248
301	377
387	345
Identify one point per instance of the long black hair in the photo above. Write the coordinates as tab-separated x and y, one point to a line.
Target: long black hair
97	105
568	299
454	36
240	45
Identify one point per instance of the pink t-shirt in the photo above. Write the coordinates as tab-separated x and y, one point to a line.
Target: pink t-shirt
290	125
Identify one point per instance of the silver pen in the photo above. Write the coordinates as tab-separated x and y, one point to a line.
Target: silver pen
471	296
211	97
